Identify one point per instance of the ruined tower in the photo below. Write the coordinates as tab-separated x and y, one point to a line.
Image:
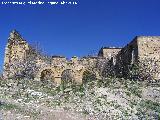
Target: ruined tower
15	53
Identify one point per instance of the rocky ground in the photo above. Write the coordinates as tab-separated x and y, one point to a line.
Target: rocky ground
108	99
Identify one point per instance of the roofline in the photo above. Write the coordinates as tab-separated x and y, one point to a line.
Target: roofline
56	56
111	47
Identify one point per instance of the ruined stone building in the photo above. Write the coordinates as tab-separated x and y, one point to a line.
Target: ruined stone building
143	51
21	60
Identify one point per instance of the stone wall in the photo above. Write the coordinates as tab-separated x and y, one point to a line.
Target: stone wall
142	51
15	54
22	59
126	57
149	47
108	52
149	56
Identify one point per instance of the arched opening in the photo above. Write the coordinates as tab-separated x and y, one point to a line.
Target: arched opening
88	76
47	76
68	76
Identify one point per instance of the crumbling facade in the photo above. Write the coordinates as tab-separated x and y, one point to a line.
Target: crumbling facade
108	52
15	52
143	51
23	60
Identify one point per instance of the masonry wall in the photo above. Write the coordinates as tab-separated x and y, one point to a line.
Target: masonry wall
149	56
108	52
143	51
149	47
126	57
15	54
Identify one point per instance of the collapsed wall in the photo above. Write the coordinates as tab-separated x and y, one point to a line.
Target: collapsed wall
108	64
108	52
126	57
144	51
22	60
15	54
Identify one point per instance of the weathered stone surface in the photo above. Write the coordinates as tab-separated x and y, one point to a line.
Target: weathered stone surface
22	60
143	51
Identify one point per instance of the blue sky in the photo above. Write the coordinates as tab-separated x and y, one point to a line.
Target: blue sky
80	29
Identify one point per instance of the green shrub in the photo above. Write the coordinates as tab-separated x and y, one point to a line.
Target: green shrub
148	104
88	77
8	106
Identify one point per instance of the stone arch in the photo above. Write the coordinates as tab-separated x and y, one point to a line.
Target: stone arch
78	73
68	76
47	75
56	72
40	71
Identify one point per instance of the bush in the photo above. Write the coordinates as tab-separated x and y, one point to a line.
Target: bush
88	76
